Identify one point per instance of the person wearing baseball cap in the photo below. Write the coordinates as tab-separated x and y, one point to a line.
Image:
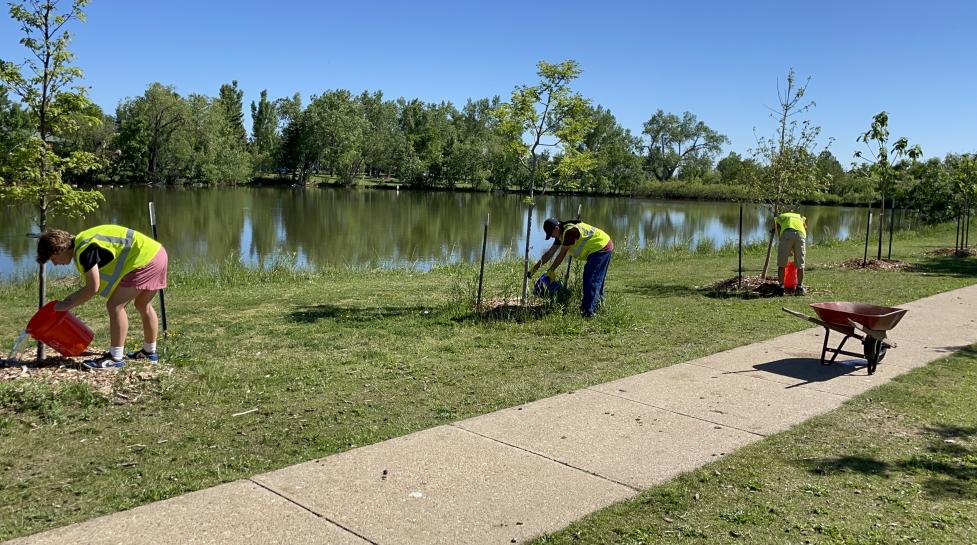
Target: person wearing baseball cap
585	242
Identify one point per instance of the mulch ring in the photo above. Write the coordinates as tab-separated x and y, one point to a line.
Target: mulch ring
512	307
877	265
126	385
962	252
753	286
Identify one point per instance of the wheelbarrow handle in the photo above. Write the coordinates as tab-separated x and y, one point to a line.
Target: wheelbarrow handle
802	316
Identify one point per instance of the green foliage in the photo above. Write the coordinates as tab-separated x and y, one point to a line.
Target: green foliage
680	144
32	171
551	115
617	167
264	134
789	159
151	135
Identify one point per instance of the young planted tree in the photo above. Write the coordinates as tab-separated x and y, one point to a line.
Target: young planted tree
548	115
789	158
44	83
882	158
678	142
963	173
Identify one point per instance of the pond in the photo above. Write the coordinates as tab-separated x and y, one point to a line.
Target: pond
320	227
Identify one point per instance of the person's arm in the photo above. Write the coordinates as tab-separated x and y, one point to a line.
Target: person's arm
79	297
559	259
544	258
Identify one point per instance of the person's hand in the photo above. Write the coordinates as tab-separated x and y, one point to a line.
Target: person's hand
61	306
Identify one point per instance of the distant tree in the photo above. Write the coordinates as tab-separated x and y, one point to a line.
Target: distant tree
617	165
15	131
215	153
735	170
338	131
150	136
876	139
44	82
264	133
230	103
546	115
383	136
676	142
788	159
830	168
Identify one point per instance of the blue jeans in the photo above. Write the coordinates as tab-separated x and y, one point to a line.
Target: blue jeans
594	272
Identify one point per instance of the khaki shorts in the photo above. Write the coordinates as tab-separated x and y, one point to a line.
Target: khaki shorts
790	240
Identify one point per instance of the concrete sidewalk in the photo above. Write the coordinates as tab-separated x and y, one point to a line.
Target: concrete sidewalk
508	476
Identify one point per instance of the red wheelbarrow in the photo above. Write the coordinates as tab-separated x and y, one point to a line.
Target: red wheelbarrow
851	318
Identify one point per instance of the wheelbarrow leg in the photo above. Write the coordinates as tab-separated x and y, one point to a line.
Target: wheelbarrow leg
840	347
824	349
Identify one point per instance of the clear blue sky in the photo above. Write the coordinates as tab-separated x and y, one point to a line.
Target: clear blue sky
720	60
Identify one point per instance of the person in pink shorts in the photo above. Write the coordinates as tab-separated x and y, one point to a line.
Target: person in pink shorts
120	264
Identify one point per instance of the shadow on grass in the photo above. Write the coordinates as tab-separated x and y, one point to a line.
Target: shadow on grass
947	266
315	313
511	312
661	290
947	466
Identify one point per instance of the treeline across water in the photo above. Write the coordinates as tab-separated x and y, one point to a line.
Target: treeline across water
343	138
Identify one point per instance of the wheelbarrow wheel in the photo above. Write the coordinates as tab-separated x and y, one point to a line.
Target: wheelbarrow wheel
874	352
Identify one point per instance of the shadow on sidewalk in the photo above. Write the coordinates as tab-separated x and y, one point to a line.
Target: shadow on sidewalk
810	369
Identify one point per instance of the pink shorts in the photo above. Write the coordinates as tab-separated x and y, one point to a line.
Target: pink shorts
149	277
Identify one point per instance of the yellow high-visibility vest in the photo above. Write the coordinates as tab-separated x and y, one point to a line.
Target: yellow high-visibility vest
591	239
792	220
130	249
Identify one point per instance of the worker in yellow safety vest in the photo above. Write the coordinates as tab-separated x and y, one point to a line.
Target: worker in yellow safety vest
791	228
584	242
117	263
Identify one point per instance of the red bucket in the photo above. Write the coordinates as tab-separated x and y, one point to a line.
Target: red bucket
790	276
62	331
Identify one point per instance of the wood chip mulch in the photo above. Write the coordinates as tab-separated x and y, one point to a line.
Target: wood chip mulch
963	252
755	286
877	265
122	386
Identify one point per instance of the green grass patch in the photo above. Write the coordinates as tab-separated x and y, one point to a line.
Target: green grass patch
897	464
337	359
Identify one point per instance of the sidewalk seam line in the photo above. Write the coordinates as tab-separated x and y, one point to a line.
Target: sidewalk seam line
545	457
590	389
310	510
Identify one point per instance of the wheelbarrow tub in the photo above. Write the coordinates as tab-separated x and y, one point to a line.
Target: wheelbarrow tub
872	317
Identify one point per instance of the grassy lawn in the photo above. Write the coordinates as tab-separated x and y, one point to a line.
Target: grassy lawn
339	359
897	464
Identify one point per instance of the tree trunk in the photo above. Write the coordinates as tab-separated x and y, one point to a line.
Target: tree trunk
966	231
41	277
529	230
881	226
766	259
892	225
868	233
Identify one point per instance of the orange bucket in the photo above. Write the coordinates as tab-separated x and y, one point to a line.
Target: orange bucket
62	331
790	276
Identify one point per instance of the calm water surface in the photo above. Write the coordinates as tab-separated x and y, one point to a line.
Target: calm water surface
365	228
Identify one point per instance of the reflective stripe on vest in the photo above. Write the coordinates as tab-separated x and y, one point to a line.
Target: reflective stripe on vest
586	234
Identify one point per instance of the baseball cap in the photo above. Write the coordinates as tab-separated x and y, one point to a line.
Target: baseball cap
549	225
